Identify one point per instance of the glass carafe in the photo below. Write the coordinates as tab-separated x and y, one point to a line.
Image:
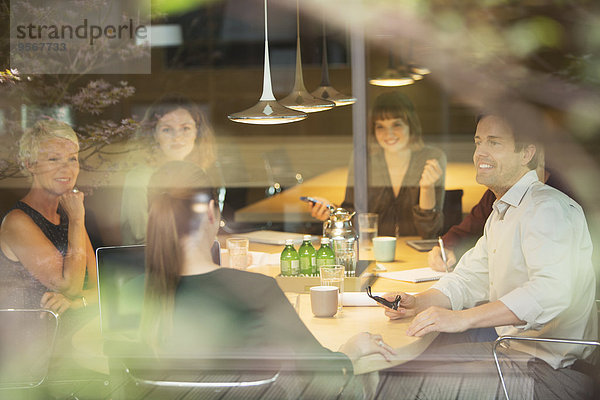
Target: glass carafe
343	237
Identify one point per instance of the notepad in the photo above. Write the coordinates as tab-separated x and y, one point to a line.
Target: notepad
413	275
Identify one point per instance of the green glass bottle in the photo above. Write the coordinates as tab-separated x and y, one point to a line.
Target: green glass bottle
308	257
289	260
325	255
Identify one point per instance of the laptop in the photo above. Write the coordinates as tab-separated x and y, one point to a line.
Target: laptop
121	272
121	275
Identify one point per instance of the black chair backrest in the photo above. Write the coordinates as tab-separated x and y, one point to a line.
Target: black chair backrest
452	209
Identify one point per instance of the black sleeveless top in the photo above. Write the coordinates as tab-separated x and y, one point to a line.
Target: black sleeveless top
18	287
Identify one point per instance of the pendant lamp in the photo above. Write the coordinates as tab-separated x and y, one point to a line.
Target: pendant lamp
418	69
393	76
267	111
299	99
325	91
413	67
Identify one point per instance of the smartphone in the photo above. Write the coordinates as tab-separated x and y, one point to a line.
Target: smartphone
310	200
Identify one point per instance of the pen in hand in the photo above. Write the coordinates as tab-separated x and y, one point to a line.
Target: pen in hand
443	251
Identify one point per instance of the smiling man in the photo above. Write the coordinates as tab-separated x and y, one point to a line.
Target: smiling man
529	275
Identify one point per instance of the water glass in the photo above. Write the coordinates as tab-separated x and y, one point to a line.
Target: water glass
367	230
238	252
345	254
333	275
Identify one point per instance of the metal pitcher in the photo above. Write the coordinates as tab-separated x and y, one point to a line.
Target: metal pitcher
343	237
339	224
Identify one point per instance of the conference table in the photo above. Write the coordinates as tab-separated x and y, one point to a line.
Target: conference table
334	331
286	207
330	332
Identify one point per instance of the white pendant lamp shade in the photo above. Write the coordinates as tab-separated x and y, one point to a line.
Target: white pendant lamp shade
418	69
267	111
329	93
299	99
392	77
325	91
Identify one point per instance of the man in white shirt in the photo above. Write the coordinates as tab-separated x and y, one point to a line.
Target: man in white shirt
529	275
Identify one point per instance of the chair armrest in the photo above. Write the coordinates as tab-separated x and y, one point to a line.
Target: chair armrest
188	384
501	339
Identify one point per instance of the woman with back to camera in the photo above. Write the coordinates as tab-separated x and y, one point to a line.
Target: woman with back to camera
46	252
196	308
406	177
178	130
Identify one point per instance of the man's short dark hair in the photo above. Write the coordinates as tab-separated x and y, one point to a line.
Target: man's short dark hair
522	138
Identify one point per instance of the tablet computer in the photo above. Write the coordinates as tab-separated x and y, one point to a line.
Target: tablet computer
422	245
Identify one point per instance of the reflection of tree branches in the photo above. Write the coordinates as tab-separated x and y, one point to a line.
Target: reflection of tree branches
44	93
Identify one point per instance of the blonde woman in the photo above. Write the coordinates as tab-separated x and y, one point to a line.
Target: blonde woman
179	131
195	308
46	258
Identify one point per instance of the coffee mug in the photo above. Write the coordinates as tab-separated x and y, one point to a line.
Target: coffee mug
384	248
324	300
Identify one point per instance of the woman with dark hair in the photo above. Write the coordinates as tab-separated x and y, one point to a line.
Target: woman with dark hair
192	307
406	178
178	130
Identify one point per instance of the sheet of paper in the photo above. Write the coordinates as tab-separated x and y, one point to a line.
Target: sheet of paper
413	275
359	299
257	258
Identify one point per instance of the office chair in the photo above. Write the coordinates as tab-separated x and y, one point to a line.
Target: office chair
452	209
531	339
27	338
121	273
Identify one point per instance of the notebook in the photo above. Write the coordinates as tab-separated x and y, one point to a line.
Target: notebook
413	275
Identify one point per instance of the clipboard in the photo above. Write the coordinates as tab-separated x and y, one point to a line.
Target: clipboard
422	245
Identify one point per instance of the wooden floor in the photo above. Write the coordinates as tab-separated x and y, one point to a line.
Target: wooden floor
288	386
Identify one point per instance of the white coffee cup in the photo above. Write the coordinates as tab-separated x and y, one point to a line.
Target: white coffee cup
324	300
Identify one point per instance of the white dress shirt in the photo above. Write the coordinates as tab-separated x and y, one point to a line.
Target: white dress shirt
535	256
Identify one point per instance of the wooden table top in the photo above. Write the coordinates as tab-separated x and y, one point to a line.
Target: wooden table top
406	258
287	207
332	332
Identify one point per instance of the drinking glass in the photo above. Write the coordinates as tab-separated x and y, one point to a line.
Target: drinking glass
238	252
367	230
333	275
345	254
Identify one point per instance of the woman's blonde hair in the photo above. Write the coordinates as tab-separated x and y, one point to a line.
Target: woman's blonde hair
178	196
29	145
204	152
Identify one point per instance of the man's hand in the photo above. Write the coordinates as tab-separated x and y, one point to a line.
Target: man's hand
406	309
435	261
437	319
